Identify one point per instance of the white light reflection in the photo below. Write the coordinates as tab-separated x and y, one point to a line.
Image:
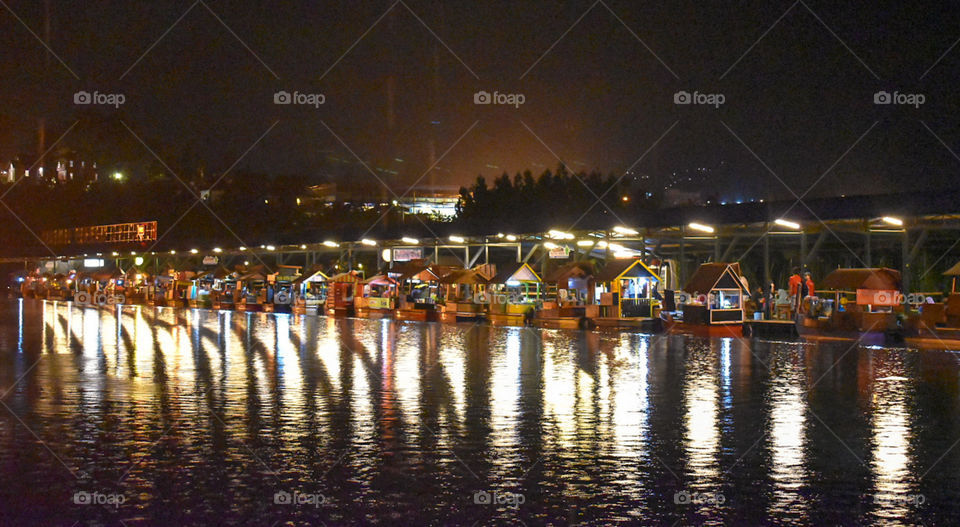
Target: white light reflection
891	437
702	438
788	426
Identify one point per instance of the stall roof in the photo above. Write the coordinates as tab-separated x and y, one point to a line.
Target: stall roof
380	279
626	268
519	272
464	276
349	277
315	274
570	270
258	272
881	278
953	271
716	275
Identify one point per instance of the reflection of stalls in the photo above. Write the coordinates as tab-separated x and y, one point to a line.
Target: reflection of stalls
310	292
280	289
718	291
341	293
625	287
462	300
862	300
379	297
253	289
516	289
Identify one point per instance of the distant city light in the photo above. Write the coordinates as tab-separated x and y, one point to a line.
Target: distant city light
893	221
787	223
626	231
701	227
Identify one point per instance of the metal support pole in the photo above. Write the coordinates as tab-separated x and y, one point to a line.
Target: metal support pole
905	267
767	278
681	265
869	249
803	251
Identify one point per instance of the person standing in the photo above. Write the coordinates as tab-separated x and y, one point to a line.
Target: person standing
794	286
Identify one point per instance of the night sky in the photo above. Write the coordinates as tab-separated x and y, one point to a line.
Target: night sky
798	82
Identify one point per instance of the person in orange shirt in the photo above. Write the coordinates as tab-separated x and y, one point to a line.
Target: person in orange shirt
808	281
794	289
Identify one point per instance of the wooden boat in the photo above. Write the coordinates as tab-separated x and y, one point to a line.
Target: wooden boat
419	290
516	291
627	299
280	293
342	290
379	297
855	304
310	292
715	302
463	294
252	286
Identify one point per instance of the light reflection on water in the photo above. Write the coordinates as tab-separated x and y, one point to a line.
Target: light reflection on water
199	416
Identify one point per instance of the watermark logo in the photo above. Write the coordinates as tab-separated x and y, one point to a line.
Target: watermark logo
104	99
82	497
302	99
887	298
685	497
706	99
509	499
506	99
497	298
903	99
83	298
282	497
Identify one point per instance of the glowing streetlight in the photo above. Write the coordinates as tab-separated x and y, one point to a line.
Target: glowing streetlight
787	223
217	250
271	248
194	251
511	238
893	221
584	243
701	227
330	243
550	245
369	242
625	231
560	235
457	239
410	241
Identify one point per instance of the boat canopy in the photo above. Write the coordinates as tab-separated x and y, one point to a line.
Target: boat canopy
517	272
953	271
349	277
315	274
626	268
565	272
464	276
881	278
716	275
380	279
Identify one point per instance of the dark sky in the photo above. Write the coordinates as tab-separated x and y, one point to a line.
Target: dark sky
799	97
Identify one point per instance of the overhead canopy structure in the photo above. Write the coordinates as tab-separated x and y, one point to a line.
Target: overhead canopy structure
881	278
716	275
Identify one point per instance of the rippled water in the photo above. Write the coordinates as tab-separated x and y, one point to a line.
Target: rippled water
216	418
